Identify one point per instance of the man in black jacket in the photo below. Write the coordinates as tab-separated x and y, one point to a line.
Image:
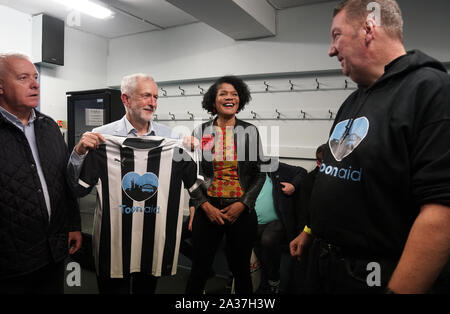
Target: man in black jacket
277	224
39	216
380	206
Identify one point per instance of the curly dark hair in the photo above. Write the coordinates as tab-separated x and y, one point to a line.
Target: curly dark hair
242	89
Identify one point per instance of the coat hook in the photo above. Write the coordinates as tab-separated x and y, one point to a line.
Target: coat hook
173	116
182	90
254	114
267	86
155	116
292	85
191	115
331	114
202	91
164	91
278	113
346	84
303	113
318	84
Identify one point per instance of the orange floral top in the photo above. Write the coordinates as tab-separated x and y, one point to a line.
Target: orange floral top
226	180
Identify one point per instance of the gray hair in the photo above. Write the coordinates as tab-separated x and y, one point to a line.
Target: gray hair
4	57
129	82
391	15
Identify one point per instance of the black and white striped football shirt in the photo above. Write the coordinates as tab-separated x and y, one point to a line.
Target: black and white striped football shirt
139	214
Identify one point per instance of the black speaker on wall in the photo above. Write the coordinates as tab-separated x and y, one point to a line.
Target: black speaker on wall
48	40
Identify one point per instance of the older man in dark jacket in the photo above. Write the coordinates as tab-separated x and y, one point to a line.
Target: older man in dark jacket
39	217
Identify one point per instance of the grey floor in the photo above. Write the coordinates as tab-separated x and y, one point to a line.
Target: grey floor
166	285
220	284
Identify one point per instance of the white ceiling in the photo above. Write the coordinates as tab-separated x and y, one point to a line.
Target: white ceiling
131	16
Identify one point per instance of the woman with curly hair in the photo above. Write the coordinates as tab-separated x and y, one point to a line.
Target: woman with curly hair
230	164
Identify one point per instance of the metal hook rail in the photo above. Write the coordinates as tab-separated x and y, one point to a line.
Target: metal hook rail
255	116
267	89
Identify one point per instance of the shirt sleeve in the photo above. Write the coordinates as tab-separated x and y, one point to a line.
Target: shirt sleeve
88	173
431	147
192	180
74	167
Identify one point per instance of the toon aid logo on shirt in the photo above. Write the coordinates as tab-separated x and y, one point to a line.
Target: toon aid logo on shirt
343	143
140	187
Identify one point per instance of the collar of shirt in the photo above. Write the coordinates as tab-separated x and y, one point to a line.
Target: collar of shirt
16	121
132	130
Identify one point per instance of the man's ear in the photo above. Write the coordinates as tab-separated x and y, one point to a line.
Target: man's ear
2	91
370	27
124	98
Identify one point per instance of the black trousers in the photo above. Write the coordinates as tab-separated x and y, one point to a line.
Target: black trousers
137	283
206	238
47	280
268	248
185	242
331	271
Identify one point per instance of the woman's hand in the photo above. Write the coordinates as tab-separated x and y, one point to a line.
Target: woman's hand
233	211
191	217
214	215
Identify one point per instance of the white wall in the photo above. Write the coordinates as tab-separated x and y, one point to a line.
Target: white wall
84	68
85	61
199	51
15	31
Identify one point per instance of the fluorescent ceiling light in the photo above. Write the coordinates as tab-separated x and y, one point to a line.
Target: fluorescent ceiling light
87	7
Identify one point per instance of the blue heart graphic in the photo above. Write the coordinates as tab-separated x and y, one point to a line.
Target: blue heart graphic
342	146
140	187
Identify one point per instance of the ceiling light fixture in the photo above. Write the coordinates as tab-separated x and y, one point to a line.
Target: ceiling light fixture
87	7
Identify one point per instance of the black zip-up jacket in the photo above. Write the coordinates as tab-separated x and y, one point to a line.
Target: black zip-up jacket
28	240
250	159
285	205
388	155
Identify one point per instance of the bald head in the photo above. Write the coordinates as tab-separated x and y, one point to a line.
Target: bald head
6	58
19	85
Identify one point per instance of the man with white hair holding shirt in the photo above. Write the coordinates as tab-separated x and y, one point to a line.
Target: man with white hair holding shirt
139	96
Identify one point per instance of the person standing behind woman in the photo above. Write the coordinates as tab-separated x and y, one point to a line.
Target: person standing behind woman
230	164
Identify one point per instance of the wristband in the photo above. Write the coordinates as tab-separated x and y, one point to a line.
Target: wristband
307	230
